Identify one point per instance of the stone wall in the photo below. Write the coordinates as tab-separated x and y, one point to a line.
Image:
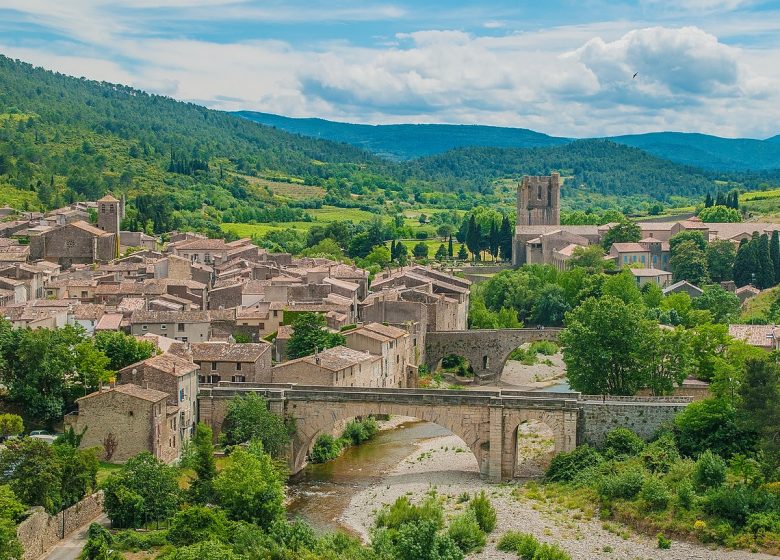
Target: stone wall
40	532
643	415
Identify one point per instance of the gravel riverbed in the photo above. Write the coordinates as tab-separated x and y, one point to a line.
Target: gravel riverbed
445	464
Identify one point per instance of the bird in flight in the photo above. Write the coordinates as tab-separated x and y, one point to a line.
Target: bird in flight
635	75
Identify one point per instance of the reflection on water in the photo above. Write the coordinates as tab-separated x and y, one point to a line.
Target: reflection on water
557	388
321	493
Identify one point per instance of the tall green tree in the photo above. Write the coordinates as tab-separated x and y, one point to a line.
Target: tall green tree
450	248
506	235
671	360
249	418
688	262
622	232
606	347
774	254
721	254
765	277
473	237
203	463
310	334
144	489
494	240
746	265
760	405
250	487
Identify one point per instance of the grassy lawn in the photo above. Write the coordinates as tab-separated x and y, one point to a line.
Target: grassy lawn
334	214
105	469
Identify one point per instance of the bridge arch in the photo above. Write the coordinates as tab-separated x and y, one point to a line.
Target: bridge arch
312	420
487	350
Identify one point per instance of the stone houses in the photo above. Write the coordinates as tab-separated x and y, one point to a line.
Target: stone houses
186	326
137	419
73	243
213	251
335	367
173	375
238	363
648	253
393	345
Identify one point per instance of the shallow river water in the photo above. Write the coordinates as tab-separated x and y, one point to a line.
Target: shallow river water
320	493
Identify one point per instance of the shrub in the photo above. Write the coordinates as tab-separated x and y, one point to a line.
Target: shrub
134	540
484	512
326	448
654	494
403	511
359	431
550	552
464	530
736	503
566	467
622	442
710	471
196	524
661	454
758	523
685	495
545	347
624	485
523	544
663	542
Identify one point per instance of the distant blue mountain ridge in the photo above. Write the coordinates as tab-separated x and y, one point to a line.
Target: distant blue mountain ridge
410	141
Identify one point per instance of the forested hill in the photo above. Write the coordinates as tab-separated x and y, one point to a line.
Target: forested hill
598	165
414	140
64	139
709	152
408	141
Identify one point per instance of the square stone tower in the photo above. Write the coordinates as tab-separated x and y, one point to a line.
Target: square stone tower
539	201
109	213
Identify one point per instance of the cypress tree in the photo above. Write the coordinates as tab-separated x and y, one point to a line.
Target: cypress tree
774	253
462	253
708	201
473	237
505	236
720	199
450	250
494	241
392	250
743	263
765	275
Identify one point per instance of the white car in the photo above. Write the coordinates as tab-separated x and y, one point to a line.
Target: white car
43	435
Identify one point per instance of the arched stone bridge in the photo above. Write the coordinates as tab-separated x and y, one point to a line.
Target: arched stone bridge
486	349
486	421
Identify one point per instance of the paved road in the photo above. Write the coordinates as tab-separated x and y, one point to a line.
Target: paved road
70	548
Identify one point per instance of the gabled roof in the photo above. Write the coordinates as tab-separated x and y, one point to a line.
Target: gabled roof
135	391
228	352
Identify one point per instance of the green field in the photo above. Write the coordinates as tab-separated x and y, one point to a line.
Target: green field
328	214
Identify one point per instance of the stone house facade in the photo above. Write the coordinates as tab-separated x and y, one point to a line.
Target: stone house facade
391	344
239	363
186	326
173	375
136	418
74	243
334	367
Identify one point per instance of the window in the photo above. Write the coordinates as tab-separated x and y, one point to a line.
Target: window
625	259
276	313
144	327
213	366
262	326
238	366
180	327
642	258
397	359
111	208
539	192
213	379
163	327
239	379
181	395
102	208
83	293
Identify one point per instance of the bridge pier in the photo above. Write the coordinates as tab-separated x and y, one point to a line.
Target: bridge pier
496	452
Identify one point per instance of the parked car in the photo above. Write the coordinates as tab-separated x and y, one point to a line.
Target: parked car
43	435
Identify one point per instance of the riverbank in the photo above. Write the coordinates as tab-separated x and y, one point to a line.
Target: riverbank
443	464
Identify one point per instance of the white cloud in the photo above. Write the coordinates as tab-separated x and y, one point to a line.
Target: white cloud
569	80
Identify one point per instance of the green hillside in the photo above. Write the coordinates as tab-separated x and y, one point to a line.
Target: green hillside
180	164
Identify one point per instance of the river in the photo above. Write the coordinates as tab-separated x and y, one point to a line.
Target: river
321	493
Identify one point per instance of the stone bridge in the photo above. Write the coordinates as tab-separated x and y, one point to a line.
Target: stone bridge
486	349
487	421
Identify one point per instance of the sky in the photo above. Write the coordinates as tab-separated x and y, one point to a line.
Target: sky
563	67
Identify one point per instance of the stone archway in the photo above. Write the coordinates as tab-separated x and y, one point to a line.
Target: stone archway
534	449
314	419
